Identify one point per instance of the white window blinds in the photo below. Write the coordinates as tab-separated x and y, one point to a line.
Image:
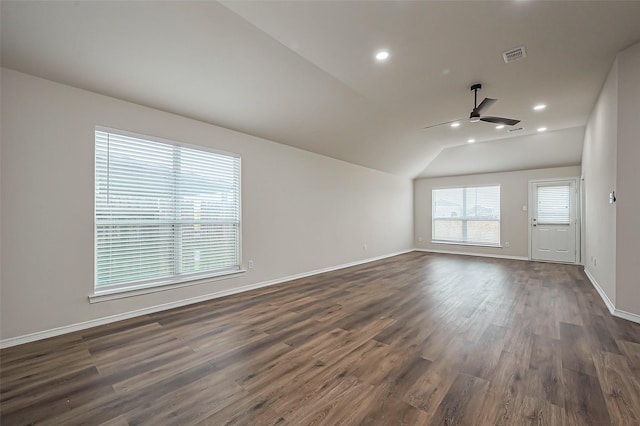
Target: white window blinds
554	205
163	212
468	215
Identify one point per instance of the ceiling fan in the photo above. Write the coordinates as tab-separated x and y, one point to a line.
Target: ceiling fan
476	116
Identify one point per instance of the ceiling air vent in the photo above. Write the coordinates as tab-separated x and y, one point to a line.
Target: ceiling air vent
514	54
515	130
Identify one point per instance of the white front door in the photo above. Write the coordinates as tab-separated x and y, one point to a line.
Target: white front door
553	220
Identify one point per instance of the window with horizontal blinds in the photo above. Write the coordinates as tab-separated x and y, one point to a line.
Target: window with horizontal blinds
554	205
163	212
467	215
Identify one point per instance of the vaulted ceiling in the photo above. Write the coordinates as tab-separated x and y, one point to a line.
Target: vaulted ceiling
303	73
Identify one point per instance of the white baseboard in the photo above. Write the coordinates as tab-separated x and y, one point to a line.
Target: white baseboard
626	315
612	308
603	295
14	341
498	256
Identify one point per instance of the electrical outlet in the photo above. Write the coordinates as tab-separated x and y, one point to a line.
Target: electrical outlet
420	239
595	262
364	247
250	264
507	244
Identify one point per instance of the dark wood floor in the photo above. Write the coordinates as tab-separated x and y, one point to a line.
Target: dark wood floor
415	339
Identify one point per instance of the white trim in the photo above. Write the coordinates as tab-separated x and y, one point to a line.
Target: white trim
121	293
603	295
109	292
627	316
498	256
456	243
32	337
465	218
577	216
612	309
165	141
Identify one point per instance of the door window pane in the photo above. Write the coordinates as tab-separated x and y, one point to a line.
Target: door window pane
554	204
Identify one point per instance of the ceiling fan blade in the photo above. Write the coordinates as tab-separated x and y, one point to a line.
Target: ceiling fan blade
500	120
485	104
442	124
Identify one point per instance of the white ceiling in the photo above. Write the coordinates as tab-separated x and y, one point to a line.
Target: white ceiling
303	74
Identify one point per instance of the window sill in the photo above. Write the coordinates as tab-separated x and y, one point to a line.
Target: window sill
453	243
103	296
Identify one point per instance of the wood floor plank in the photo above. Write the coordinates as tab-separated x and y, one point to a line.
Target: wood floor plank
116	421
145	375
59	396
420	338
102	408
190	404
404	376
382	408
584	403
532	411
319	391
599	335
631	351
621	388
428	391
463	402
334	406
506	389
487	353
567	309
519	338
25	381
544	375
575	348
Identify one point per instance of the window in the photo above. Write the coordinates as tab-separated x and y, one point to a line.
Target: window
553	204
466	215
164	213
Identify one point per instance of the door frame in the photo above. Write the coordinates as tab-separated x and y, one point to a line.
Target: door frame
577	209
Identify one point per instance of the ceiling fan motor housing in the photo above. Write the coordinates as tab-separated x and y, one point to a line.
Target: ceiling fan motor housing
474	117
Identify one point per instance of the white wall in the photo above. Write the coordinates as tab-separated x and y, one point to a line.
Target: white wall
599	173
514	223
301	211
610	162
628	182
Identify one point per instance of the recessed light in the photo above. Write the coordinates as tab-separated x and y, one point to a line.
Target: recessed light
542	129
382	55
471	141
456	124
539	107
500	126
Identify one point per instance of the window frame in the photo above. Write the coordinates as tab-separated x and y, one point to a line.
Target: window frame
115	291
465	219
